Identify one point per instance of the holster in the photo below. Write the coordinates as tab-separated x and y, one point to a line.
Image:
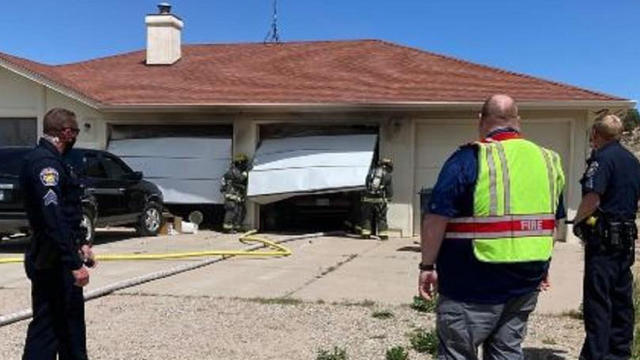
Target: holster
607	234
620	235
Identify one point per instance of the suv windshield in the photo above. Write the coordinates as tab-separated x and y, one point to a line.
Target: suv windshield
11	160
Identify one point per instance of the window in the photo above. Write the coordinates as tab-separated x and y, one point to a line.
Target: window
115	170
94	167
18	132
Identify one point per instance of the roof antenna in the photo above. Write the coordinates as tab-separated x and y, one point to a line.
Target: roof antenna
273	36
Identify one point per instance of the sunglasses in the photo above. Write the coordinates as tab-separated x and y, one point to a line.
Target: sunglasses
72	129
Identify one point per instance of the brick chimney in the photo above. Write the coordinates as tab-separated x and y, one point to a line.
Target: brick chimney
164	32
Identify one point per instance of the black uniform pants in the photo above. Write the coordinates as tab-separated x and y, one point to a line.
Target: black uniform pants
234	212
374	213
608	304
58	326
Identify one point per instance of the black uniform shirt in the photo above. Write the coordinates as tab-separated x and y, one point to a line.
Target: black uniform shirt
53	204
614	173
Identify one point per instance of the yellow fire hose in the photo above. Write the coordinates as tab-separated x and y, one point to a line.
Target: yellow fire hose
220	256
246	238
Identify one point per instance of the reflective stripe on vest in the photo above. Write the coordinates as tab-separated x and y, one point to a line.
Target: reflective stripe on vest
515	200
501	226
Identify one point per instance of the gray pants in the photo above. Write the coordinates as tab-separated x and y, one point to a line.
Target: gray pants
500	329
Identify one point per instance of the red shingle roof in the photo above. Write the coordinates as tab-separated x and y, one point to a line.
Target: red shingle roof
361	72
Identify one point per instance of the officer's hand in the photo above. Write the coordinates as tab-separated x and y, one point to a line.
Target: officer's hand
86	253
82	276
428	284
545	284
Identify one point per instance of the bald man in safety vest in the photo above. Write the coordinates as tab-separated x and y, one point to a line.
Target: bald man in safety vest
488	236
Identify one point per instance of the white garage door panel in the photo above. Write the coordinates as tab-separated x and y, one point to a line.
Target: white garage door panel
552	136
194	169
178	191
187	169
433	150
290	166
436	142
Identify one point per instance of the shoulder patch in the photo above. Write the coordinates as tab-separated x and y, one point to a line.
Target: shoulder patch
49	176
50	198
591	170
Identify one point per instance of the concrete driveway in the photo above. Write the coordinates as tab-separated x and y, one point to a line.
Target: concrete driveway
329	269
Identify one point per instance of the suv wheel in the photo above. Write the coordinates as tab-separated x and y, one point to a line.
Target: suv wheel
150	221
88	224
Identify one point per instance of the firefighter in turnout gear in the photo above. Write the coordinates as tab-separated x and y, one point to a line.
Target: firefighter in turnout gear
374	202
234	190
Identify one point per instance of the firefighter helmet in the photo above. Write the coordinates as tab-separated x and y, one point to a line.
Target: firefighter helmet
240	158
386	162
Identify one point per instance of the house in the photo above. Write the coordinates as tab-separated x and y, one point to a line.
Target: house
419	106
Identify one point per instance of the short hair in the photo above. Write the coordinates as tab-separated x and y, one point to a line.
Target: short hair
57	119
500	107
609	127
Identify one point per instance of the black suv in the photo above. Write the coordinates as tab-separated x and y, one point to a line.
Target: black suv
113	193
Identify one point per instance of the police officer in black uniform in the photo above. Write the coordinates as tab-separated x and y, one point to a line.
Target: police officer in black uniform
234	190
374	201
55	261
606	223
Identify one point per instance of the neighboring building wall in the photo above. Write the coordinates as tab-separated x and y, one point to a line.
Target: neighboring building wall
20	97
90	121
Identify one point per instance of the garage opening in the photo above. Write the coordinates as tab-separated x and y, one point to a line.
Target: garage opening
185	161
309	178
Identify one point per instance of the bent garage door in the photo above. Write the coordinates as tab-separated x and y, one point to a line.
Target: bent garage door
436	141
292	166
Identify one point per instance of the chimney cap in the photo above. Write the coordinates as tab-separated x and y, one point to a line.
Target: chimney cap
164	8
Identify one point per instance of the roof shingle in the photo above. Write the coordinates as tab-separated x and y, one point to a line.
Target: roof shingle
359	72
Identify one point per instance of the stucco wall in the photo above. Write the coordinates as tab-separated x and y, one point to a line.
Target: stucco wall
90	121
20	97
397	143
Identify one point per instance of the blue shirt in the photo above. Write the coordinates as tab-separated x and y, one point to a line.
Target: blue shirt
613	172
461	276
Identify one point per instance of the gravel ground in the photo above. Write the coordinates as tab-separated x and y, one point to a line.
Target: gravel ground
133	326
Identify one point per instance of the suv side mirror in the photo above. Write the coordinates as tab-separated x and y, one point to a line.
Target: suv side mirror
134	176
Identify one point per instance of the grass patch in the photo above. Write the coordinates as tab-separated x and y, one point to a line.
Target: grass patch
382	314
397	353
421	305
335	354
548	341
424	341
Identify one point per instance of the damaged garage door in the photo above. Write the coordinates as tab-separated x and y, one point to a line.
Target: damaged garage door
187	169
291	166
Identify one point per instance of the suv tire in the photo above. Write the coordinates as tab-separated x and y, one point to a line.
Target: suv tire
88	222
150	221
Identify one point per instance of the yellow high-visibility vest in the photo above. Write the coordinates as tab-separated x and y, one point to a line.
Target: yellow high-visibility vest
516	196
